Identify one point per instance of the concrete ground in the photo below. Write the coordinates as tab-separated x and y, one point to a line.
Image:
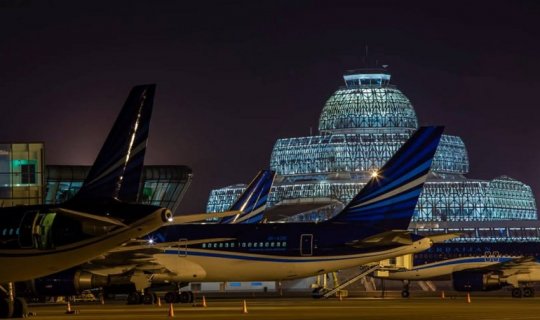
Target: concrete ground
301	308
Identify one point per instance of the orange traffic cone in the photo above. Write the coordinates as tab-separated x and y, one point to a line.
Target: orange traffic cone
171	311
203	302
244	310
340	296
159	301
468	297
68	309
101	299
442	295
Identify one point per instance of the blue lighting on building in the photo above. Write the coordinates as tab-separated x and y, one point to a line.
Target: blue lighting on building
361	125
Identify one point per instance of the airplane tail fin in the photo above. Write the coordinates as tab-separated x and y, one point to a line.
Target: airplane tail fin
253	201
117	170
388	200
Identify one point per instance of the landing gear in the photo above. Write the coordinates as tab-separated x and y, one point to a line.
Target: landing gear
12	307
134	298
516	293
405	291
528	292
139	298
182	297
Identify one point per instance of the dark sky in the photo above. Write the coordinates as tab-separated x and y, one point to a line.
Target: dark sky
235	76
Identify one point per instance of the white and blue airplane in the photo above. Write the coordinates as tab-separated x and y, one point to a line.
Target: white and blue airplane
372	227
131	266
40	240
475	266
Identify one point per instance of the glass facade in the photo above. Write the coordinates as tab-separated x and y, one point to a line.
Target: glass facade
161	185
361	126
21	174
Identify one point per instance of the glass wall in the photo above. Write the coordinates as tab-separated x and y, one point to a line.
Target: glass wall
21	174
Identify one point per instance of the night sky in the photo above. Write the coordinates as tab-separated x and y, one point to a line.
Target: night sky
235	76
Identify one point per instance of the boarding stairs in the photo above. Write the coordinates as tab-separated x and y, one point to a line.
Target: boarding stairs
364	271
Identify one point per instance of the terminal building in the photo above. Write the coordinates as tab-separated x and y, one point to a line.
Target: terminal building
26	180
360	127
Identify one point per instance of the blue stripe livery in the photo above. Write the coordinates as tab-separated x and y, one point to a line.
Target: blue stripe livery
252	201
117	170
389	198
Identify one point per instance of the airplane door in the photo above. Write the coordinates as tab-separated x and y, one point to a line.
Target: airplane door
306	245
26	229
182	247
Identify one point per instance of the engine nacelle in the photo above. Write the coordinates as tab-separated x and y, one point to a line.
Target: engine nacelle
66	283
476	281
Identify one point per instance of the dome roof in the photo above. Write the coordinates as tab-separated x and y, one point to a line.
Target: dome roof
367	102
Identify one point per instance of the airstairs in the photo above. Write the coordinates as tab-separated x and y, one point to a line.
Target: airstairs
364	271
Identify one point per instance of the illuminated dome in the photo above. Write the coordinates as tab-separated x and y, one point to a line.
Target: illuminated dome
367	101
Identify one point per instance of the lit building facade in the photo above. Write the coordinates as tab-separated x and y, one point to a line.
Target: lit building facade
21	173
360	127
161	185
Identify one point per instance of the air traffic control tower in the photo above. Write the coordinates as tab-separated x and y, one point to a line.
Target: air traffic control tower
360	127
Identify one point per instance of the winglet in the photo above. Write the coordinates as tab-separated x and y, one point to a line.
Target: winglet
388	200
117	171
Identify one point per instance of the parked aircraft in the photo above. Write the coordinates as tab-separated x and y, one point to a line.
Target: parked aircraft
131	265
372	227
43	239
475	266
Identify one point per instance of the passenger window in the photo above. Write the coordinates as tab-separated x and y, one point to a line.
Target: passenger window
272	244
249	244
204	245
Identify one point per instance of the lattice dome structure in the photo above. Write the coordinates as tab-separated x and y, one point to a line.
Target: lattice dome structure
361	126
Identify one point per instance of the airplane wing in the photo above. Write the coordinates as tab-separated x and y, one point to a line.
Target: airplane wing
203	216
385	238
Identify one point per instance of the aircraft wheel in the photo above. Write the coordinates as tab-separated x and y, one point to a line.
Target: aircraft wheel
528	292
148	298
405	293
317	293
20	308
134	298
191	296
170	297
184	297
516	293
6	308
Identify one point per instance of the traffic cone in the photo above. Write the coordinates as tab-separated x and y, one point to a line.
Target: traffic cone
101	299
171	310
68	309
340	296
244	310
159	301
203	302
468	297
442	295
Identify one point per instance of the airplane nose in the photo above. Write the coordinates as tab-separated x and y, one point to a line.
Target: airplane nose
166	215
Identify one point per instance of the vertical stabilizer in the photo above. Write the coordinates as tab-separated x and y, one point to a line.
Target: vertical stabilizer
388	200
253	201
117	171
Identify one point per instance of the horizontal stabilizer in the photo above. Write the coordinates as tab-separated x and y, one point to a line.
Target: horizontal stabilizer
88	216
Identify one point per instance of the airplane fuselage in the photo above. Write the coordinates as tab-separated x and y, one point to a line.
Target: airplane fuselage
271	251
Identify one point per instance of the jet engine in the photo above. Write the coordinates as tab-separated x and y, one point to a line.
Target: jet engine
476	281
66	283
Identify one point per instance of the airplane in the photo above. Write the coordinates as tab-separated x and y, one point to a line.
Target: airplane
39	240
130	265
475	266
372	227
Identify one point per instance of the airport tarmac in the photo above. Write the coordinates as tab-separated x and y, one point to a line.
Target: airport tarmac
295	308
